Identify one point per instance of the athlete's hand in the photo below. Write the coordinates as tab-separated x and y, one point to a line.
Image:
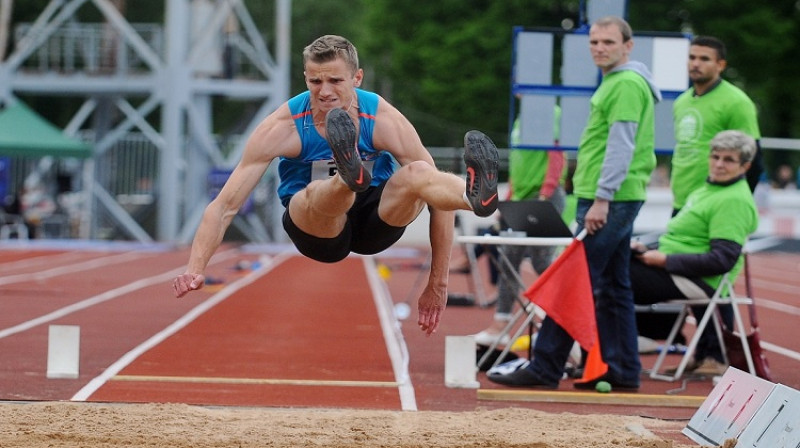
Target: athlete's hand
430	307
187	282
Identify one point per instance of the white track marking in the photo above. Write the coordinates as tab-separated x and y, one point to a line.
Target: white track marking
778	306
38	260
392	334
186	319
257	381
71	268
104	297
778	350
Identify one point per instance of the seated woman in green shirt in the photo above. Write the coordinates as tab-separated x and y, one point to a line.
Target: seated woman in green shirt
703	241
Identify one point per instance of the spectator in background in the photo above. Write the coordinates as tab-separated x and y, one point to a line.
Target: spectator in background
709	106
533	174
784	178
702	242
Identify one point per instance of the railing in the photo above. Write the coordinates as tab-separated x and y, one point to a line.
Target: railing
94	48
98	49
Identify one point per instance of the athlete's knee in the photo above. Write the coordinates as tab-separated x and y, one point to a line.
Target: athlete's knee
420	168
416	173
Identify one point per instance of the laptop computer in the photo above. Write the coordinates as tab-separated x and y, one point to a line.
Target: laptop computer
535	218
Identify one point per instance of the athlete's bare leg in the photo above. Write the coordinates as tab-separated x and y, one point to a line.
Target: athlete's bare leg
321	208
415	185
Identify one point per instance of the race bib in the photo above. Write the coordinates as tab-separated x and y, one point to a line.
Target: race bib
324	169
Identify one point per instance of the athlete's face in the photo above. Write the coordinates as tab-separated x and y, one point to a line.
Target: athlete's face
725	165
332	84
704	65
607	48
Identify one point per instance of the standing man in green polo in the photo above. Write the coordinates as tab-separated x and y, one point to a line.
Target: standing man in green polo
615	159
711	105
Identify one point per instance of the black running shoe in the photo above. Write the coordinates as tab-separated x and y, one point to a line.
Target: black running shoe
342	140
480	156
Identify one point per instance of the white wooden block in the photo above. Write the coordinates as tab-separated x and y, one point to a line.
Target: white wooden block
459	362
63	351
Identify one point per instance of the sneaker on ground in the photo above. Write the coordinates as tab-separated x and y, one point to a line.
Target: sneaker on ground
710	367
691	366
480	156
647	345
486	338
341	137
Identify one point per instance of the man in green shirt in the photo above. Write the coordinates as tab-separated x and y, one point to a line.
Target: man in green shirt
615	159
711	105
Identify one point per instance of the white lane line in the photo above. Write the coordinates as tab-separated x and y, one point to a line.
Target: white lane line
256	381
41	259
392	334
104	297
778	306
71	268
781	287
186	319
778	350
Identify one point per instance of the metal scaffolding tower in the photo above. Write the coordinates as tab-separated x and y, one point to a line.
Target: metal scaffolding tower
159	82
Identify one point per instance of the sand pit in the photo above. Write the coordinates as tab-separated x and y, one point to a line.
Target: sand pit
66	424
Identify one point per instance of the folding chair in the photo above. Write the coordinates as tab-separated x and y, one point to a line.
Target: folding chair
12	224
724	295
526	309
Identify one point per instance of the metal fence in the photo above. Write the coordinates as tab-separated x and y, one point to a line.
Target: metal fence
88	47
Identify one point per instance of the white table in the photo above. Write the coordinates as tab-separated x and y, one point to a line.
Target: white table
514	241
529	309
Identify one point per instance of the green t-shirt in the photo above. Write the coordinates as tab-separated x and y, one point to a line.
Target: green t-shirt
528	168
622	96
697	120
712	212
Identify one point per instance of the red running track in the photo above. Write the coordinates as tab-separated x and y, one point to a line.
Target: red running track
293	332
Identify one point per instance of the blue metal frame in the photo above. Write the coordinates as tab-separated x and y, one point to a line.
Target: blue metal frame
561	90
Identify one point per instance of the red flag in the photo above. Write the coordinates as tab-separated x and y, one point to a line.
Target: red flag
564	292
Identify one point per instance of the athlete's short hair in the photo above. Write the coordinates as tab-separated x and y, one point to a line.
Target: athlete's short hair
329	47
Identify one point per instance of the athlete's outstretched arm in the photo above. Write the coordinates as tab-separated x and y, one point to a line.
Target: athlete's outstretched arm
273	137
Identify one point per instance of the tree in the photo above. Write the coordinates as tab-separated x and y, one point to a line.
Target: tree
762	47
447	64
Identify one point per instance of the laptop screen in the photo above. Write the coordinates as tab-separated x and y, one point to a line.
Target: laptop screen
535	218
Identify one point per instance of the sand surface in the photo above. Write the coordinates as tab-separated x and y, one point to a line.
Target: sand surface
66	424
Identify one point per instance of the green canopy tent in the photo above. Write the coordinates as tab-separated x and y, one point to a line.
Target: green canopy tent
24	133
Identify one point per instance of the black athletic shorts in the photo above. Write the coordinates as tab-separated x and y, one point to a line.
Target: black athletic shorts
364	232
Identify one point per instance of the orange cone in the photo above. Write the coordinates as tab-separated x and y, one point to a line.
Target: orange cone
594	367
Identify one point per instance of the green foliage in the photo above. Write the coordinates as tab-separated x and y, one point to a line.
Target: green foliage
761	39
446	63
449	61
